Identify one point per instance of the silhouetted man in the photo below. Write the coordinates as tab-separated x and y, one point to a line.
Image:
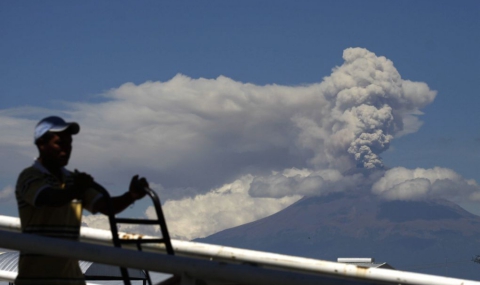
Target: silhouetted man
51	199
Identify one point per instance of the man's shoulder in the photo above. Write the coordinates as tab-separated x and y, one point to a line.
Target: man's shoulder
29	173
38	169
30	170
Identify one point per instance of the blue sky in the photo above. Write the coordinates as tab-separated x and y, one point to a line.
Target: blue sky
57	55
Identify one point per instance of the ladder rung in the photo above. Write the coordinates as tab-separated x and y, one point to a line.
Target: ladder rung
136	221
137	241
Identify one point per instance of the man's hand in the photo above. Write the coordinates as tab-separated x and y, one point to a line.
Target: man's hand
119	203
137	187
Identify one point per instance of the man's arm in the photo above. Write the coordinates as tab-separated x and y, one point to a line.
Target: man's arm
119	203
53	197
57	197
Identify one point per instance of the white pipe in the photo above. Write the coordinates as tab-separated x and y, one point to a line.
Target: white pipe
197	268
264	259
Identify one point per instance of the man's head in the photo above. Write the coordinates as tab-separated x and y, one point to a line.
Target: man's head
53	137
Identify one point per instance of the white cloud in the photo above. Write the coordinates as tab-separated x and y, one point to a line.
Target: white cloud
205	214
7	194
96	221
413	184
221	208
303	182
100	221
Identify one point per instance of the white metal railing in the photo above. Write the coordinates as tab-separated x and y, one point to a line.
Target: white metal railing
210	261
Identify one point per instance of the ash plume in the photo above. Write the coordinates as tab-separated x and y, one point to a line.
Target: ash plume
369	104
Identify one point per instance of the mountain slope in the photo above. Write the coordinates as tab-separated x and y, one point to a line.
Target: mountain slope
436	236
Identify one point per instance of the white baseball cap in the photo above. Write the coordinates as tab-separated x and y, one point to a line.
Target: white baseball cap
54	124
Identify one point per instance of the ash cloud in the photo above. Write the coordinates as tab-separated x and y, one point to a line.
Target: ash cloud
369	104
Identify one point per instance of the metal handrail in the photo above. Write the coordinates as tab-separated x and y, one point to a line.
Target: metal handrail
161	220
113	227
117	242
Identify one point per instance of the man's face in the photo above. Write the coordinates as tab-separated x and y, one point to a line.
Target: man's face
57	149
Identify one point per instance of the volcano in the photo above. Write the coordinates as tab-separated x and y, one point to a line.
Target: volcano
431	236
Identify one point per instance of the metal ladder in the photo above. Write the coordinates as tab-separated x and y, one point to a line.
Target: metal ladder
117	242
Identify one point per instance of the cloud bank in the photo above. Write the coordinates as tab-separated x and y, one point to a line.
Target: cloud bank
415	184
224	207
303	182
193	137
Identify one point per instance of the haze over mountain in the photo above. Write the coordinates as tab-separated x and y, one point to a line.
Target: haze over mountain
430	236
